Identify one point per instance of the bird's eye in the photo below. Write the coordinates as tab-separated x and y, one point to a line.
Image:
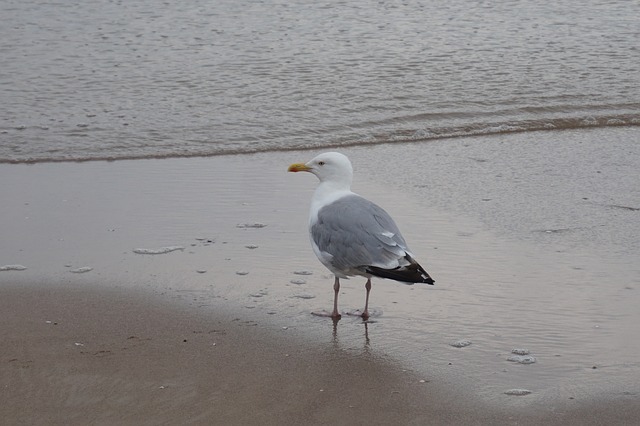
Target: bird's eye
320	163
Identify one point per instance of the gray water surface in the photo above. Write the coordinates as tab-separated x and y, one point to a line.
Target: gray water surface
110	80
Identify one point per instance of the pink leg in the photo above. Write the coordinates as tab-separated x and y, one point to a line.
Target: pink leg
367	286
336	289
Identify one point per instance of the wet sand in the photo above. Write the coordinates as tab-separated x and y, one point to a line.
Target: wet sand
86	355
128	338
81	354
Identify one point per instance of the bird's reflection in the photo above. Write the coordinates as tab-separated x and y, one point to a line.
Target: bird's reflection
335	322
335	334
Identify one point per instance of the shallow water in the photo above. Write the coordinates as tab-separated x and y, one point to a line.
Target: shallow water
568	298
111	80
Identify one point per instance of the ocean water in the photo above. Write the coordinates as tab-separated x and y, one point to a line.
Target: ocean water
144	79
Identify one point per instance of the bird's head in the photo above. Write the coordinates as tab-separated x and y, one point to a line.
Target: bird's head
328	167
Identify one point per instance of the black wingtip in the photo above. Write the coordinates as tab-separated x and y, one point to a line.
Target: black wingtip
426	279
413	273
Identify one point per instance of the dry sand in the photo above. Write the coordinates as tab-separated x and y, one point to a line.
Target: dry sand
131	341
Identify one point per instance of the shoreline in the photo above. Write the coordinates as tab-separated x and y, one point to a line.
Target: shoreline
498	131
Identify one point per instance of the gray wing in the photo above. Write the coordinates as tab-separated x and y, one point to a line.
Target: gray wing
358	233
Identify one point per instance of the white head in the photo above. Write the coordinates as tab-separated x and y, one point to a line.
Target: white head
328	167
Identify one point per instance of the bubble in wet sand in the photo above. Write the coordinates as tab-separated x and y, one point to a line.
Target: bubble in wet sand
461	343
251	225
517	392
298	281
520	351
260	293
305	296
12	268
303	272
161	250
522	359
251	246
205	240
242	272
82	270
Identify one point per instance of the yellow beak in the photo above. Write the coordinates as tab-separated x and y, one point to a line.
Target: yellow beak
298	167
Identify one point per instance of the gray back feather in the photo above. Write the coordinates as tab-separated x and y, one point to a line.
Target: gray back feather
356	232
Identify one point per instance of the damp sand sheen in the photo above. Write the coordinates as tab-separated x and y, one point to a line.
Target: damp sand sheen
534	326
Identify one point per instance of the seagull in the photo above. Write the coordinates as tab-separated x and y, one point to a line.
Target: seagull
350	235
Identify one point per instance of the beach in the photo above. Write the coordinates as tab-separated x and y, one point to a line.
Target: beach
113	357
180	290
155	265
